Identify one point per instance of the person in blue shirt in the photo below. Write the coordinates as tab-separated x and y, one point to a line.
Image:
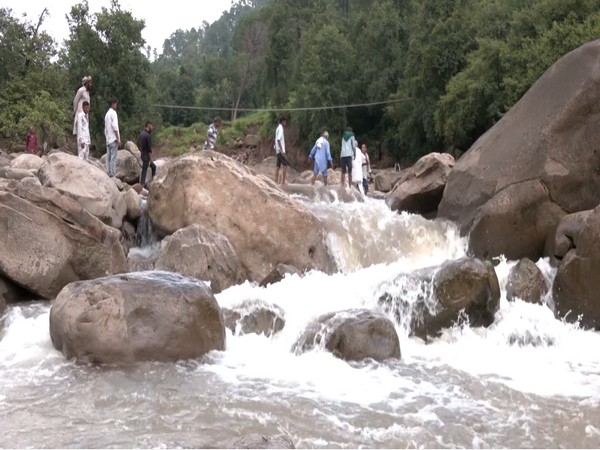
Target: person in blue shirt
321	154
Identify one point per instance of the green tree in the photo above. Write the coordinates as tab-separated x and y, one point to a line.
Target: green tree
109	47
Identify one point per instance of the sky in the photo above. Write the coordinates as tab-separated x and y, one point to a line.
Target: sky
162	17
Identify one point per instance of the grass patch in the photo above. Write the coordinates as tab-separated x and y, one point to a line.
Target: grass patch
175	141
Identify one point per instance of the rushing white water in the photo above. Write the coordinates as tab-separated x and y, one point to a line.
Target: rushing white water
529	380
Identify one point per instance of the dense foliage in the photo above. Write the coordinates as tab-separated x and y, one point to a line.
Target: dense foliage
452	68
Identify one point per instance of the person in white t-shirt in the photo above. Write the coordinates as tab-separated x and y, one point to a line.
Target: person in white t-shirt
280	151
113	138
357	175
83	131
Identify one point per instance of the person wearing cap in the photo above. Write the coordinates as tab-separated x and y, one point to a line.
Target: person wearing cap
280	151
321	154
83	95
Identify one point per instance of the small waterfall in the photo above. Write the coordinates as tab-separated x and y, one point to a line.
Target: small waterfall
144	255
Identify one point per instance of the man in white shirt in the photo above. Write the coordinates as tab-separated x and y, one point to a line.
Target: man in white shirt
83	131
82	95
280	151
113	138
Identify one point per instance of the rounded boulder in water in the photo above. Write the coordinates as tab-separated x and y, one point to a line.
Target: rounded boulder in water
142	316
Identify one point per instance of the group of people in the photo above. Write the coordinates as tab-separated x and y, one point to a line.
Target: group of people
354	161
81	128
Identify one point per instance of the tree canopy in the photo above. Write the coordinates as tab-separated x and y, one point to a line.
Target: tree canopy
449	69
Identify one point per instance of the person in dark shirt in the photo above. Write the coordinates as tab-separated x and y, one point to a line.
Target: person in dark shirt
146	150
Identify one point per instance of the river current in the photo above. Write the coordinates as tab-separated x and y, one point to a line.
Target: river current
528	381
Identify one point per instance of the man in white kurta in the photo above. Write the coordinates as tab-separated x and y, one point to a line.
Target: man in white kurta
83	95
83	132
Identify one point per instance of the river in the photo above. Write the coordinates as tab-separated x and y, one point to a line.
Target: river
527	381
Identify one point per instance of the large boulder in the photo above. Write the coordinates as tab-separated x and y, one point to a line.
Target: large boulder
352	335
427	301
263	224
133	204
27	161
576	288
197	252
129	168
53	240
87	184
267	168
526	281
545	142
420	188
142	316
385	180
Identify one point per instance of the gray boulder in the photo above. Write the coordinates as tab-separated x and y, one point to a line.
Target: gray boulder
429	300
526	281
197	252
352	335
538	163
143	316
278	274
419	189
576	287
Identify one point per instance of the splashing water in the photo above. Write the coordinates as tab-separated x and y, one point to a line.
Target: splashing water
529	380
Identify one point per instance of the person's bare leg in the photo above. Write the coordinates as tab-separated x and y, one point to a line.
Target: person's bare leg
283	183
325	181
343	179
314	178
350	179
277	176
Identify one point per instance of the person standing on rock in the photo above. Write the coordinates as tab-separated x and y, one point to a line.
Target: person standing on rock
83	95
146	151
211	134
366	168
113	138
321	154
280	151
357	175
83	131
347	155
31	141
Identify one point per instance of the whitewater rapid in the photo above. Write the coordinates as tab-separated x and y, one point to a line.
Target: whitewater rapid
529	380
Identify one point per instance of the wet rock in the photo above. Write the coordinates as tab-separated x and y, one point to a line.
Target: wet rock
566	236
4	161
11	292
548	140
251	140
86	183
54	241
254	317
385	180
132	202
224	196
197	252
129	235
352	335
2	306
432	299
419	189
576	287
256	440
278	274
144	316
526	281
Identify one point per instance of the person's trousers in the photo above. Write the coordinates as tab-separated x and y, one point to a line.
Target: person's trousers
111	158
145	163
84	152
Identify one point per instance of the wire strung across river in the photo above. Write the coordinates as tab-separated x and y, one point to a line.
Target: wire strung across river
306	108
